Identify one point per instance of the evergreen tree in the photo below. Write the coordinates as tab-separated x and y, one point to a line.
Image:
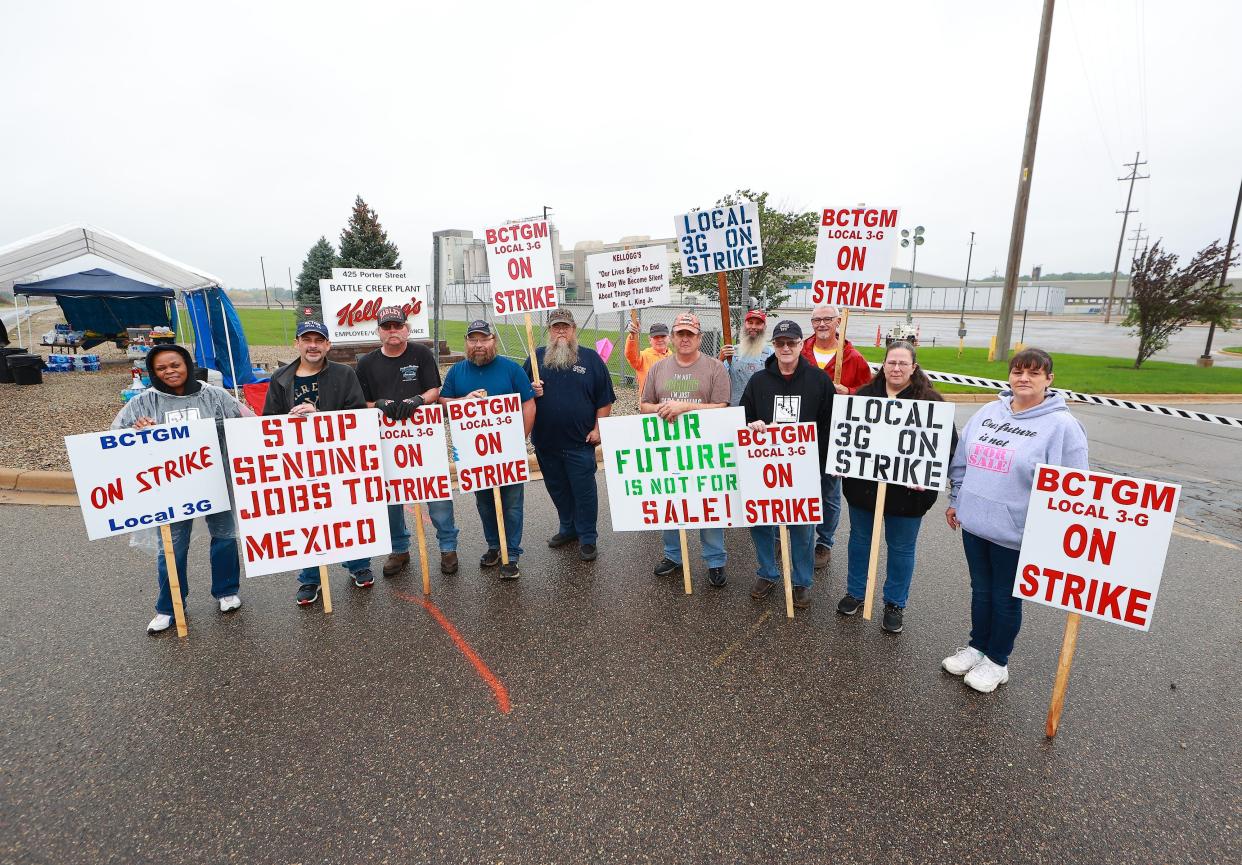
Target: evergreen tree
318	265
364	243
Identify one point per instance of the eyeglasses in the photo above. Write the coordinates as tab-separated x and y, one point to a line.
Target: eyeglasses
785	344
392	325
898	364
478	340
825	320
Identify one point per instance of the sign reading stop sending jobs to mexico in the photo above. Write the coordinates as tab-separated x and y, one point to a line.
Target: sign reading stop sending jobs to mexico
521	267
352	298
629	278
489	441
309	489
854	256
1095	543
894	441
129	480
719	239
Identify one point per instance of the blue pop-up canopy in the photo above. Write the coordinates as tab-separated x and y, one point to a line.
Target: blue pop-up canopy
104	303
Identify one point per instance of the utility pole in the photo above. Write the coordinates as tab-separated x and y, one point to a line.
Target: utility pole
1137	238
1004	325
1125	215
263	270
1206	359
961	325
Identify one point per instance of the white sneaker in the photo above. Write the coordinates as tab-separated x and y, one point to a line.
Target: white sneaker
962	661
986	675
159	623
229	602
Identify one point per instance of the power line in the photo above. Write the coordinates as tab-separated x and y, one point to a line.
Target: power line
1133	176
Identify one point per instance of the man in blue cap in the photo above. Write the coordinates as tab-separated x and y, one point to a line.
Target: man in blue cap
309	384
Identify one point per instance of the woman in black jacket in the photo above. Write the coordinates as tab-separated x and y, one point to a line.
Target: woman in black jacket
900	377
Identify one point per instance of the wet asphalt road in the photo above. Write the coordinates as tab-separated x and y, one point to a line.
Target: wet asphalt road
644	725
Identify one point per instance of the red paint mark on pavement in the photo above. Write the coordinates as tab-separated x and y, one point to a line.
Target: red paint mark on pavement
498	688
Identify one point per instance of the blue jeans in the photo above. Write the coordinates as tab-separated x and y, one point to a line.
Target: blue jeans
900	536
398	529
801	553
441	514
995	614
712	541
830	489
569	477
225	569
511	501
310	576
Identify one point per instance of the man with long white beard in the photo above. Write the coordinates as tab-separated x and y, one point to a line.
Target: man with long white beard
748	356
574	393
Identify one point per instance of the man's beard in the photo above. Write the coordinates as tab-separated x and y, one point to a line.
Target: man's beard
489	355
561	354
750	346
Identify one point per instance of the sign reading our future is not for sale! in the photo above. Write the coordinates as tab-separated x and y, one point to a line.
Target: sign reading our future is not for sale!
353	297
1095	543
894	441
719	239
629	278
129	479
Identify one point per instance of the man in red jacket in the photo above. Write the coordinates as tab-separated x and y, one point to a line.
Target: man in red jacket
821	350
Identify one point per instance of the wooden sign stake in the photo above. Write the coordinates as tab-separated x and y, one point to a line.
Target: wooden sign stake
174	581
685	560
726	324
534	366
325	588
785	568
1064	662
500	518
836	362
877	527
422	547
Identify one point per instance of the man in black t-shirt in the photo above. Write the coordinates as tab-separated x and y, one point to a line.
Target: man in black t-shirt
397	378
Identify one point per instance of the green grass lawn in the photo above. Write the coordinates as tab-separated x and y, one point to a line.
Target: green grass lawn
1233	349
1085	373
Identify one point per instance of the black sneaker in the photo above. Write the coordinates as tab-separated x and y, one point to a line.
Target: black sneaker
490	559
667	567
560	539
364	579
510	571
849	605
716	576
587	552
892	619
308	593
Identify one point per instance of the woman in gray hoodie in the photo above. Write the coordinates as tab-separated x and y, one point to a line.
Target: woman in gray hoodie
990	481
176	395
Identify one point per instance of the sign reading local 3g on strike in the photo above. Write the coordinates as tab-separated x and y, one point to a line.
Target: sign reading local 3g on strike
129	479
719	239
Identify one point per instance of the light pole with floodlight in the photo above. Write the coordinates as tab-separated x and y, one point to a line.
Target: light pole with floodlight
915	240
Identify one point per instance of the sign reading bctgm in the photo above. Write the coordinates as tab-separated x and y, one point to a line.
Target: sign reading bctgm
778	475
416	463
719	239
1095	543
521	267
489	441
854	256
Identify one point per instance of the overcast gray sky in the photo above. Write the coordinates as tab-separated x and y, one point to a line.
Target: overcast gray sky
230	130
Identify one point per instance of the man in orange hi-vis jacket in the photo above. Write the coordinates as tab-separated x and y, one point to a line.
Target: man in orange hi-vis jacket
643	361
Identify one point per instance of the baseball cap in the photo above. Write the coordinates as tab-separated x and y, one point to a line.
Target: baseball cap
658	329
312	326
479	326
687	321
787	330
390	314
757	313
560	315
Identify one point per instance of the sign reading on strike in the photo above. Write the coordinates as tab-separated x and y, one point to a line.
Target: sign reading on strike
415	453
522	268
778	475
489	441
854	256
309	489
353	297
672	474
629	279
894	441
723	238
1095	543
131	479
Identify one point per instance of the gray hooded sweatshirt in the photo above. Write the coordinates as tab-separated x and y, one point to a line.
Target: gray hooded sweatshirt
993	468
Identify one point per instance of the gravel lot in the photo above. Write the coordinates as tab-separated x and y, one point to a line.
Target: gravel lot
37	417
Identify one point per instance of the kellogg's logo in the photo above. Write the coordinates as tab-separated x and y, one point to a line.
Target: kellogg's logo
362	311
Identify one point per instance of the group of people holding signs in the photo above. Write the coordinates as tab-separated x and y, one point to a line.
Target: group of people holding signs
769	436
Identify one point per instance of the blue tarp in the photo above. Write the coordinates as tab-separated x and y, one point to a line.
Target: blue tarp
104	302
211	312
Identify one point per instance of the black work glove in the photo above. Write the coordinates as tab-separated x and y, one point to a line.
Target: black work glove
407	407
388	407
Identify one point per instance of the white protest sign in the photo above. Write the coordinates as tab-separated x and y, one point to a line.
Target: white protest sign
489	441
778	475
352	298
1095	543
415	453
131	479
673	474
629	279
309	489
854	256
894	441
521	267
719	239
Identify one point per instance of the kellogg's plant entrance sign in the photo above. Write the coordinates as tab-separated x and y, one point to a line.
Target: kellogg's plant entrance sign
353	297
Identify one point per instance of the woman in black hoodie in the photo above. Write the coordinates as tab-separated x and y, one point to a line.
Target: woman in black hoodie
900	377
